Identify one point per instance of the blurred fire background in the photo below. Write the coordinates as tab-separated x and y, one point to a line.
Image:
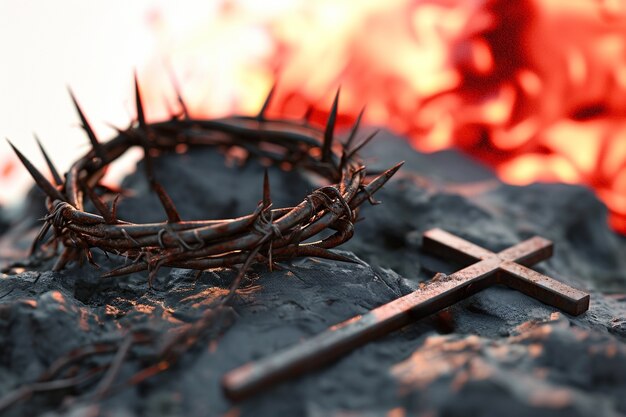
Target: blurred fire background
534	88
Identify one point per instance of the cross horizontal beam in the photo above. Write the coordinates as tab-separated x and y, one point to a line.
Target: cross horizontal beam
508	267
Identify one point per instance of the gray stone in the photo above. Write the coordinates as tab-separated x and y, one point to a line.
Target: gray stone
502	353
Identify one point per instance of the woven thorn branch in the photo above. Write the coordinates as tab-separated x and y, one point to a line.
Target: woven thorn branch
268	234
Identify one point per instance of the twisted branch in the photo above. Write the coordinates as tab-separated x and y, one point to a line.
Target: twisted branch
266	234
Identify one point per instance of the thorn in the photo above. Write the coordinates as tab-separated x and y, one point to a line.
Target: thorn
267	198
118	130
362	144
327	254
391	171
355	128
143	127
114	208
125	270
330	129
234	285
166	201
308	113
138	104
376	184
42	233
315	252
41	181
95	144
179	96
53	170
344	159
99	204
261	116
168	107
66	256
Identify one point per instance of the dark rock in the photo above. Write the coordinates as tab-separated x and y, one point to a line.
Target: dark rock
503	353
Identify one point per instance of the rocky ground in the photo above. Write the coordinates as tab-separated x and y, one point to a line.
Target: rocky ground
496	353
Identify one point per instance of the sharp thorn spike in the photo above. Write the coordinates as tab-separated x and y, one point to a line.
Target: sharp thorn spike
379	181
179	96
327	254
66	256
182	104
330	129
391	171
344	160
125	270
363	144
114	208
354	130
51	167
141	118
313	251
309	112
40	180
99	204
240	275
266	103
267	198
168	107
118	130
166	201
95	144
42	233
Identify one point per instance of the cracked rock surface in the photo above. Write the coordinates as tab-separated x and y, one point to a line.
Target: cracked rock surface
496	353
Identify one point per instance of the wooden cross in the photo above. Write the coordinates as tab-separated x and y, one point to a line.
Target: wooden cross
508	267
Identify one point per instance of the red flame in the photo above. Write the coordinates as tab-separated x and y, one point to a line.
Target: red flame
534	88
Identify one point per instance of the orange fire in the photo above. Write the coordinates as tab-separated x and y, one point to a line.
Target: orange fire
533	88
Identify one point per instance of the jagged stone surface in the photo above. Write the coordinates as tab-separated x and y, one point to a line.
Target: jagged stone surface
496	353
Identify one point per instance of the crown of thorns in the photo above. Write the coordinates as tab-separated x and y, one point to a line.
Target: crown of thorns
266	235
